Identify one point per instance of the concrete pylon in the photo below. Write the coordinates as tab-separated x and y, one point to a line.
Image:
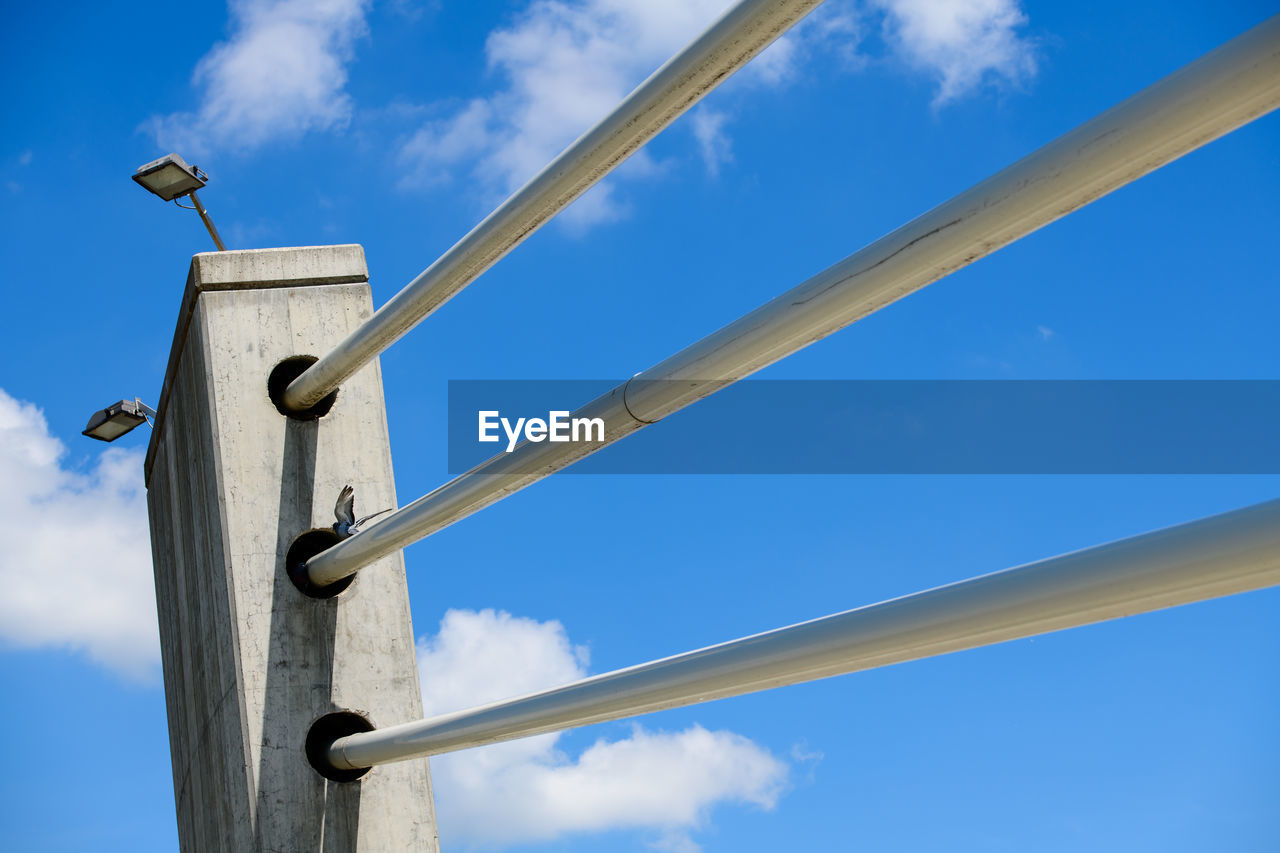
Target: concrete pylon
250	660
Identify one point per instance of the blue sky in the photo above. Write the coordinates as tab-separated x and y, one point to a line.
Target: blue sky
398	125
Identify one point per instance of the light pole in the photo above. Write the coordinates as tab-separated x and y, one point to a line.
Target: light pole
234	486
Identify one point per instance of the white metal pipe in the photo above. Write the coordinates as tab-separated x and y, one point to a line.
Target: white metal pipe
466	494
1220	555
1217	93
1226	88
730	43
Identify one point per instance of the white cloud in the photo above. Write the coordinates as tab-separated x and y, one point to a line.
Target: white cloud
961	42
282	73
76	561
713	142
564	64
530	790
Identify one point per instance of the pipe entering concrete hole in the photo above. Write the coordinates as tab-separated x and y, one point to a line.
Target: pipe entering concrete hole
304	548
324	732
284	373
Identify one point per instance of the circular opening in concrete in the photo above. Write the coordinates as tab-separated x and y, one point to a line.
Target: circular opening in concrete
284	373
304	548
324	732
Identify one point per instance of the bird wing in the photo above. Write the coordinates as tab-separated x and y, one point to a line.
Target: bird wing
345	509
355	527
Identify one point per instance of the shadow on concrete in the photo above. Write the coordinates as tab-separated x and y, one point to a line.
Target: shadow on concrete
307	812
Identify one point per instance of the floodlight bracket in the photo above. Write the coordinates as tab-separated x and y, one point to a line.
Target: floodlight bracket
171	178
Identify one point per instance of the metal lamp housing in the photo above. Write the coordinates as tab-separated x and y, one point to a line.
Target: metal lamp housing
115	420
169	177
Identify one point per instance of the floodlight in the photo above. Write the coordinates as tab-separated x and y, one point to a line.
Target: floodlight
171	178
117	419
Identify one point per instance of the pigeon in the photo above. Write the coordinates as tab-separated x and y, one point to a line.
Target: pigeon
345	511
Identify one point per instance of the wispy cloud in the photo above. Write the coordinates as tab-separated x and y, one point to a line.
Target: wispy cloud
76	561
19	166
563	64
560	66
960	42
282	72
713	142
530	790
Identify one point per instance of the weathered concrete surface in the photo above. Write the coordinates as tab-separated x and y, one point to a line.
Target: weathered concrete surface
249	661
